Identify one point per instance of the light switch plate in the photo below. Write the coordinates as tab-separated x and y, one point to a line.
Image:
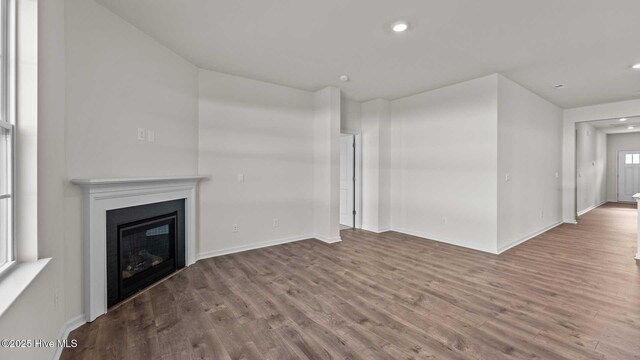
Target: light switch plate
141	134
240	178
151	136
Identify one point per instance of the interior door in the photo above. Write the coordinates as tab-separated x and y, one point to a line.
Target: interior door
346	179
628	175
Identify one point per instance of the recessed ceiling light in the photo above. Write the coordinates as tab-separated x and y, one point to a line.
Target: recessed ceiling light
558	86
636	66
631	127
400	26
624	119
344	78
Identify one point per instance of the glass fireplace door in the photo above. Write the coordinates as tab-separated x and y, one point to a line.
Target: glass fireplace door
147	252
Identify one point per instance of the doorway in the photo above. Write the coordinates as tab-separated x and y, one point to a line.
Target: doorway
350	181
628	175
607	162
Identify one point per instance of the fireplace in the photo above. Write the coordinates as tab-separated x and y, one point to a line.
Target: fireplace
105	196
144	244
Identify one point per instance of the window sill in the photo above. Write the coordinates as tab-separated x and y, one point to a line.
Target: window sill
15	279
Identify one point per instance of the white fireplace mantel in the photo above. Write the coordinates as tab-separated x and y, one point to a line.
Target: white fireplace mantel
102	195
637	197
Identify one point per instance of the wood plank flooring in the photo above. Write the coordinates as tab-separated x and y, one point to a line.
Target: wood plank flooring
570	293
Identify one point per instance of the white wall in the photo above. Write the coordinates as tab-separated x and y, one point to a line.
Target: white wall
591	162
265	132
444	164
529	148
326	164
117	80
376	165
350	116
616	143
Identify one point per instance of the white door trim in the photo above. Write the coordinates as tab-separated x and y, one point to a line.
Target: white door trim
358	174
347	180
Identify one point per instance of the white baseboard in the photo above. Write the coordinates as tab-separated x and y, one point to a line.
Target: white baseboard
328	240
68	327
528	237
434	238
570	221
457	243
638	256
237	249
377	231
582	212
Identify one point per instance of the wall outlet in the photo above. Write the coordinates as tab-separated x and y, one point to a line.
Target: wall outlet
557	174
276	223
507	177
234	228
240	178
151	136
445	220
141	134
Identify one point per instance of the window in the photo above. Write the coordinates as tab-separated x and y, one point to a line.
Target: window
6	147
632	159
6	193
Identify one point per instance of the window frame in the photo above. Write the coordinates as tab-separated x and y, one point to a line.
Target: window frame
10	197
7	120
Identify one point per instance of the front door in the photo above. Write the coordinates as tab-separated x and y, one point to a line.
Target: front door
628	175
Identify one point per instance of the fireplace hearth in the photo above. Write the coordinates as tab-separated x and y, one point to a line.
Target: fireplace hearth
144	244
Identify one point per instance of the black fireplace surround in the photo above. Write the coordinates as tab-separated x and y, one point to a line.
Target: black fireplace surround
144	244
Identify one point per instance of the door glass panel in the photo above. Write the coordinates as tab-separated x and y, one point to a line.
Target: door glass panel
636	159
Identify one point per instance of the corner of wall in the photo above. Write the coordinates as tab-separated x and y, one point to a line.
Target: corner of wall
350	115
326	163
529	127
376	164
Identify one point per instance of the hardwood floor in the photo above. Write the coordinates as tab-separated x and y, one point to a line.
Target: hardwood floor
570	293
